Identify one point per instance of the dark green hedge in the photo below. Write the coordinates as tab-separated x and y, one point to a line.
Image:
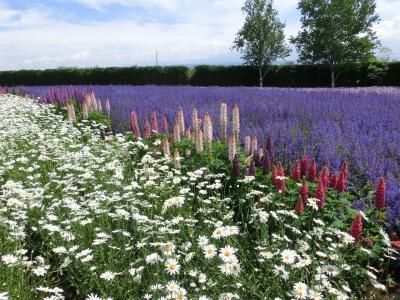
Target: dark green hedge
65	76
292	76
280	76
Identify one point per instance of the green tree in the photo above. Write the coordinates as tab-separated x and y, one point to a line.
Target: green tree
261	40
336	32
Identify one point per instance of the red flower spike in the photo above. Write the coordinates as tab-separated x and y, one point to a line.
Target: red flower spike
312	171
135	125
325	176
380	194
304	165
154	122
320	194
345	169
334	181
304	191
281	182
341	185
297	171
356	229
299	206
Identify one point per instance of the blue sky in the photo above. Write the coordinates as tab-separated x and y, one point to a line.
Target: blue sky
53	33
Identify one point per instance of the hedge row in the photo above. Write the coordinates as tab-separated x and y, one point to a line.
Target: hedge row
102	76
293	76
283	76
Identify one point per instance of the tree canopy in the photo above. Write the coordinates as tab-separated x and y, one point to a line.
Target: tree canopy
336	32
261	40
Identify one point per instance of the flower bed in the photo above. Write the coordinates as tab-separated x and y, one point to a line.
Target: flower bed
91	215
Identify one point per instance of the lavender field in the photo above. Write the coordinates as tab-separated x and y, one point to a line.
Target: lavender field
360	126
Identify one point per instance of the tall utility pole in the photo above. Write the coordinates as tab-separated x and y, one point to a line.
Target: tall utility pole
156	58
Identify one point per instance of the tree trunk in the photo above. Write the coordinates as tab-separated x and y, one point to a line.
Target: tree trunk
332	79
261	77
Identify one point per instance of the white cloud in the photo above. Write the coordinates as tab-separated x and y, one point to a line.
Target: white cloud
81	56
102	4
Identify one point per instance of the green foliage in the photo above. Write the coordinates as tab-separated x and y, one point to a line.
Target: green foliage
261	40
377	69
336	32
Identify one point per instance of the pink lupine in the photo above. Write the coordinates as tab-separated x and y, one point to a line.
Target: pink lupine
299	206
99	106
154	121
177	133
296	173
88	102
189	133
85	112
304	190
181	121
71	112
312	171
108	107
254	146
247	145
232	147
199	141
356	229
135	125
207	131
166	147
177	159
223	121
320	193
380	194
236	121
164	123
147	128
94	101
195	120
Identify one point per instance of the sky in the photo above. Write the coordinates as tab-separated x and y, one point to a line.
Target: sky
40	34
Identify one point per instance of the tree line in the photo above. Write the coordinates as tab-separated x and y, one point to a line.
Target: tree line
282	75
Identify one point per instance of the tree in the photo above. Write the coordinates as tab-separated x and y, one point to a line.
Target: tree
336	32
261	40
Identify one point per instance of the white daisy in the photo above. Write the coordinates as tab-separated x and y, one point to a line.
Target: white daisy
209	251
108	276
300	290
172	267
288	256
